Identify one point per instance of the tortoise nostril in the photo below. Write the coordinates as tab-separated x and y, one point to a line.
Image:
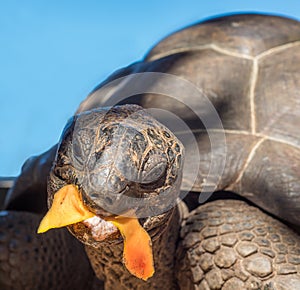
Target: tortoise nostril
108	200
94	195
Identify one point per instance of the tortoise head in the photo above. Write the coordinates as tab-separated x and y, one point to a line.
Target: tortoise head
121	161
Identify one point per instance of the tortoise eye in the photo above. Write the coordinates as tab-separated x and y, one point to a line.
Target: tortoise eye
153	169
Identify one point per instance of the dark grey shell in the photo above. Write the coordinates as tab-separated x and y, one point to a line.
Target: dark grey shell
248	67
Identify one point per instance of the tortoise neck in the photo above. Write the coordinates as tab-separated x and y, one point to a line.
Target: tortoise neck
107	262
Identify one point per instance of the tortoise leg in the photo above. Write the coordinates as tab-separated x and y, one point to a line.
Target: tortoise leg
53	260
228	244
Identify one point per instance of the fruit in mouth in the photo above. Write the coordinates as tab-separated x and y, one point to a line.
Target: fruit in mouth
68	208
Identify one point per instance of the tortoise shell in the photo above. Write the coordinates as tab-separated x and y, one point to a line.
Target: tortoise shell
247	66
234	83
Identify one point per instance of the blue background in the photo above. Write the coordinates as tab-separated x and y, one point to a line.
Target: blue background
53	53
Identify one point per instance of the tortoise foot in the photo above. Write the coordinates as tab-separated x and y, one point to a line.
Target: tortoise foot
228	244
54	260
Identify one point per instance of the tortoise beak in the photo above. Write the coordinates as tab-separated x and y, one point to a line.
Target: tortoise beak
67	208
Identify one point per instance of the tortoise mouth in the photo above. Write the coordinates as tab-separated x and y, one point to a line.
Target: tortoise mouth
100	229
90	223
96	231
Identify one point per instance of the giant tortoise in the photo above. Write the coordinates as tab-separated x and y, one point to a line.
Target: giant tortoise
138	193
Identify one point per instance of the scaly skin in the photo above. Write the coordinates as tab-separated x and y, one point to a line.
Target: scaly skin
224	245
231	245
107	260
29	261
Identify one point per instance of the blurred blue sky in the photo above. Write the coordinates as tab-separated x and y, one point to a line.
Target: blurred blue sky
53	53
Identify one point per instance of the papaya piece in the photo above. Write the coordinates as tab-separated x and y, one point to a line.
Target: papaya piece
137	252
67	208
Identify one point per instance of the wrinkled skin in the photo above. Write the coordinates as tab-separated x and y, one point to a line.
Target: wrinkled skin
248	67
122	159
116	153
